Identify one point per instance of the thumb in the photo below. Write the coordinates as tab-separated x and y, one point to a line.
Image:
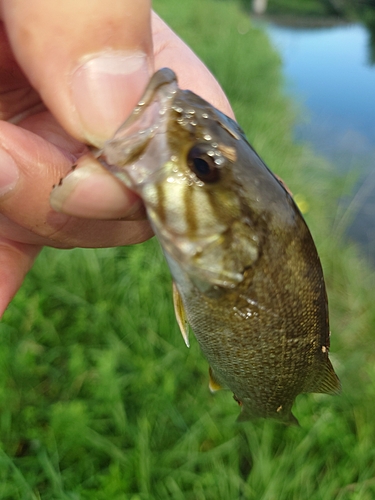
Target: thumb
88	59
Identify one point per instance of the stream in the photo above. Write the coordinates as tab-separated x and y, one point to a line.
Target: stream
327	70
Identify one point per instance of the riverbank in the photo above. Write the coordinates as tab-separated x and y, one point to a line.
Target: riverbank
100	397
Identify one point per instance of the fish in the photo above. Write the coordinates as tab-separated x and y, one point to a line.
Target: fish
247	276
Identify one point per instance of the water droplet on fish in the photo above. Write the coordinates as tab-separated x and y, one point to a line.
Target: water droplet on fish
219	161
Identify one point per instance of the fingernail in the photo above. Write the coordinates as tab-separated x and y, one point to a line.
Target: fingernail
90	192
9	173
105	89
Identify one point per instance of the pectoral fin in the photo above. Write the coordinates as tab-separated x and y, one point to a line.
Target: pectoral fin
214	385
181	315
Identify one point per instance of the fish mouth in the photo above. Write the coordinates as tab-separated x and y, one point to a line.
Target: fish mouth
125	154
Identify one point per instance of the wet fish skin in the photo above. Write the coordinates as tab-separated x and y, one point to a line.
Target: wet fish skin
247	273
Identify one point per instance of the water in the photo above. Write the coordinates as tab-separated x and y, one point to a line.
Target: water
328	71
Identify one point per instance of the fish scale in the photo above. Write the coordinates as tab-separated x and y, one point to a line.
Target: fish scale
247	276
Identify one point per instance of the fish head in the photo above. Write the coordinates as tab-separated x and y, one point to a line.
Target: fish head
187	161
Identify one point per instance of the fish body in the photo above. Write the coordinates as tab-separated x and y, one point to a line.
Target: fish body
247	275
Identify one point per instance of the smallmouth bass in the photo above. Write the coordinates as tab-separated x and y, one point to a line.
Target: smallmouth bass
247	276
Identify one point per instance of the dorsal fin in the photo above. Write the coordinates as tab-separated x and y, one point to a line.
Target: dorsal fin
325	380
180	313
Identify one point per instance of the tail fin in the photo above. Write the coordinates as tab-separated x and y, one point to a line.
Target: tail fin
286	417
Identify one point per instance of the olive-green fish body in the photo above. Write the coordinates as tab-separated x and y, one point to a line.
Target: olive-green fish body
247	274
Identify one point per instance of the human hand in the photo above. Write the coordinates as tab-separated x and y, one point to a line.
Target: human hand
70	73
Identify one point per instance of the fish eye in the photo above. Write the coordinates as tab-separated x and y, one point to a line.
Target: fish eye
202	164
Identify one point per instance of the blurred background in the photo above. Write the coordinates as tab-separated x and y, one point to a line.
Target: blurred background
99	396
328	60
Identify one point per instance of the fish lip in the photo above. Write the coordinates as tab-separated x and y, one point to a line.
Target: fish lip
122	154
162	87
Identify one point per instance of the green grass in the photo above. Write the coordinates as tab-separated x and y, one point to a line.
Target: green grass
99	397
